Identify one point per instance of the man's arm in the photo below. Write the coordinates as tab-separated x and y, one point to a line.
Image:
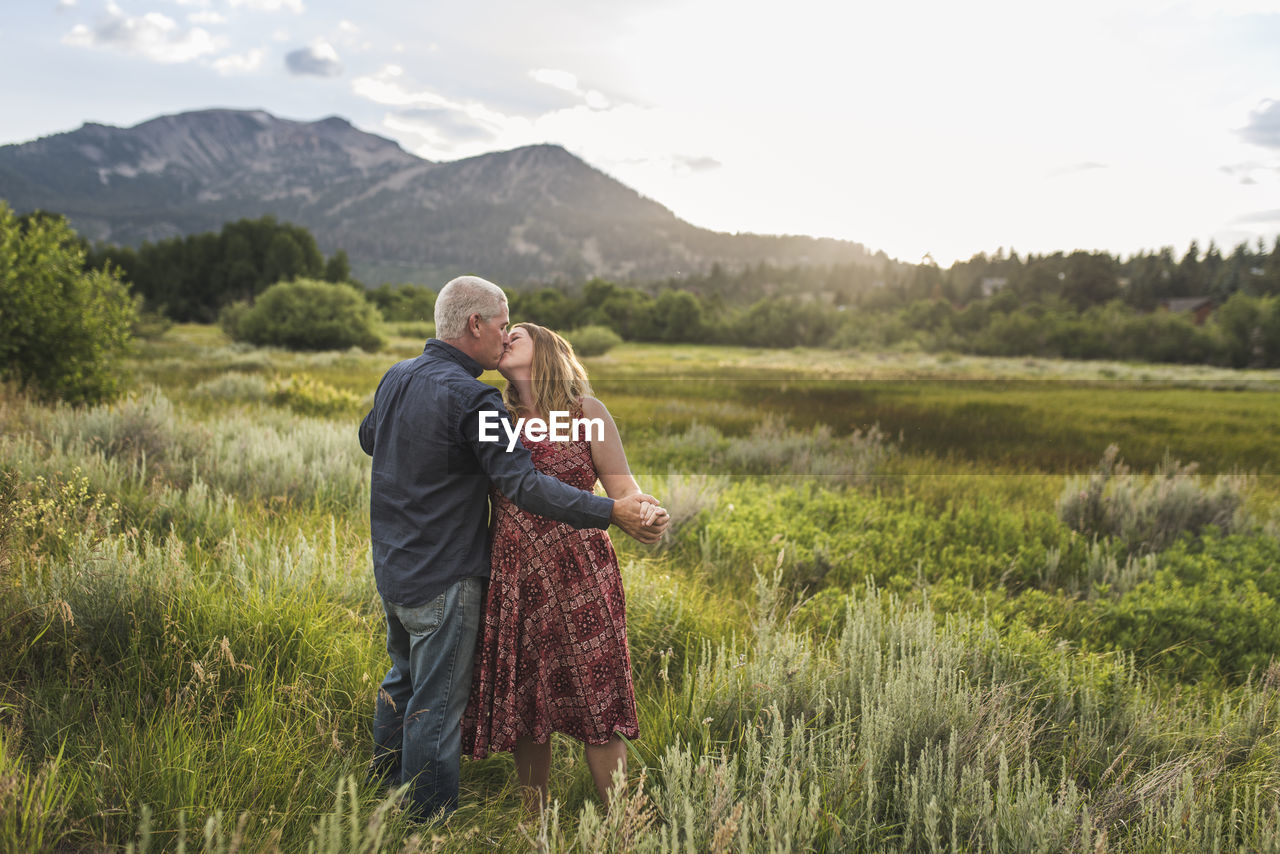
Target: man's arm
367	431
514	474
369	426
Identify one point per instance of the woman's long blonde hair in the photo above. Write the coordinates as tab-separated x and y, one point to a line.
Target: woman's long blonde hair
558	379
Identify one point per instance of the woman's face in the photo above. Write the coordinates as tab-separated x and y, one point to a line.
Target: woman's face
519	353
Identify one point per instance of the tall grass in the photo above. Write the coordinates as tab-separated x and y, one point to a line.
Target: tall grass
190	638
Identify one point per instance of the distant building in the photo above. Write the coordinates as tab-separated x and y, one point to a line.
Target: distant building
1199	307
992	284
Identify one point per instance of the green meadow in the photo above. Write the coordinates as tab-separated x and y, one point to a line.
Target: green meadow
908	603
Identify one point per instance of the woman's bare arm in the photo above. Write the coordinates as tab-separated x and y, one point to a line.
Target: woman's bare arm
609	457
610	461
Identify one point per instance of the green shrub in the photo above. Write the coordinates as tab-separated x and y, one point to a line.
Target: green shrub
306	314
593	340
836	538
150	325
420	329
309	396
62	330
1212	610
1147	514
404	303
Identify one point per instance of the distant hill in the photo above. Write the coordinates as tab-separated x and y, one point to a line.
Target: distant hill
531	214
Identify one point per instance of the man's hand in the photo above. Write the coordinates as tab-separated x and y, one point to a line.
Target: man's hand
641	517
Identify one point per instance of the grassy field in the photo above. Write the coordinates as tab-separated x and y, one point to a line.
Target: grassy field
908	603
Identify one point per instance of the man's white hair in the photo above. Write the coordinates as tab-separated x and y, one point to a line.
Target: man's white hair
463	297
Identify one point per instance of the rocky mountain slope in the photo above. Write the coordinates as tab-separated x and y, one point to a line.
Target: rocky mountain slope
531	214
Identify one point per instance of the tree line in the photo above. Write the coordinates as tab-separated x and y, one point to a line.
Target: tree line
1084	279
1084	305
1080	305
191	279
1076	305
67	309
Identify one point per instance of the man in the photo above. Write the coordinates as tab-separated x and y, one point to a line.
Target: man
429	515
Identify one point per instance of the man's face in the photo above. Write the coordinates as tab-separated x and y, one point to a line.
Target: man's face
493	339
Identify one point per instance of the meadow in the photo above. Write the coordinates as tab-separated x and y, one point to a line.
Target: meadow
909	603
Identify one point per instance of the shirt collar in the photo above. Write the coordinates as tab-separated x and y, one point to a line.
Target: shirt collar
451	352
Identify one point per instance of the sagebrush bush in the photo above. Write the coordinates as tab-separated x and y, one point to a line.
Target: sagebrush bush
593	340
773	448
306	314
232	387
686	498
1101	572
123	448
1149	513
142	426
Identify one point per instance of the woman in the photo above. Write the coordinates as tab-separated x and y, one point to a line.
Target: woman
552	653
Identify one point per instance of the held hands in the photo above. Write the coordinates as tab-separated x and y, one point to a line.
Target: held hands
641	517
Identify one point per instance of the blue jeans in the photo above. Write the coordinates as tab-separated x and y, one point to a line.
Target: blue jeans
418	715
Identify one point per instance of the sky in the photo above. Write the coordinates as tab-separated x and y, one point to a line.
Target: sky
923	129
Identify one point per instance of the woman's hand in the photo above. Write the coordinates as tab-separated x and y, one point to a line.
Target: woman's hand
641	517
654	514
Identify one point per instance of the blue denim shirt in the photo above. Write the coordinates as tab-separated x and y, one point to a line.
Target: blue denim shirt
429	508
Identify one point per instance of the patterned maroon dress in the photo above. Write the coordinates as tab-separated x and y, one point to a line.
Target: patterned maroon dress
552	652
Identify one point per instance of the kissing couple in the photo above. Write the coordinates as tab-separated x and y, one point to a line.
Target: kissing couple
542	647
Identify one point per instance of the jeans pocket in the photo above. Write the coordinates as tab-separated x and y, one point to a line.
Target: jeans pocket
422	619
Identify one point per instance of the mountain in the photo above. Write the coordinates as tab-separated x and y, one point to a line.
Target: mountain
536	213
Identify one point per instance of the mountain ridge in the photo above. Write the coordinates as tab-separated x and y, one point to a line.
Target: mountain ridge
531	214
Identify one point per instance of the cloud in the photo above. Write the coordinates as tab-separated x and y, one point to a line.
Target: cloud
239	63
207	17
320	59
440	128
1243	172
1260	218
565	80
438	123
1253	171
389	87
1264	125
688	163
153	36
294	6
66	4
568	81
